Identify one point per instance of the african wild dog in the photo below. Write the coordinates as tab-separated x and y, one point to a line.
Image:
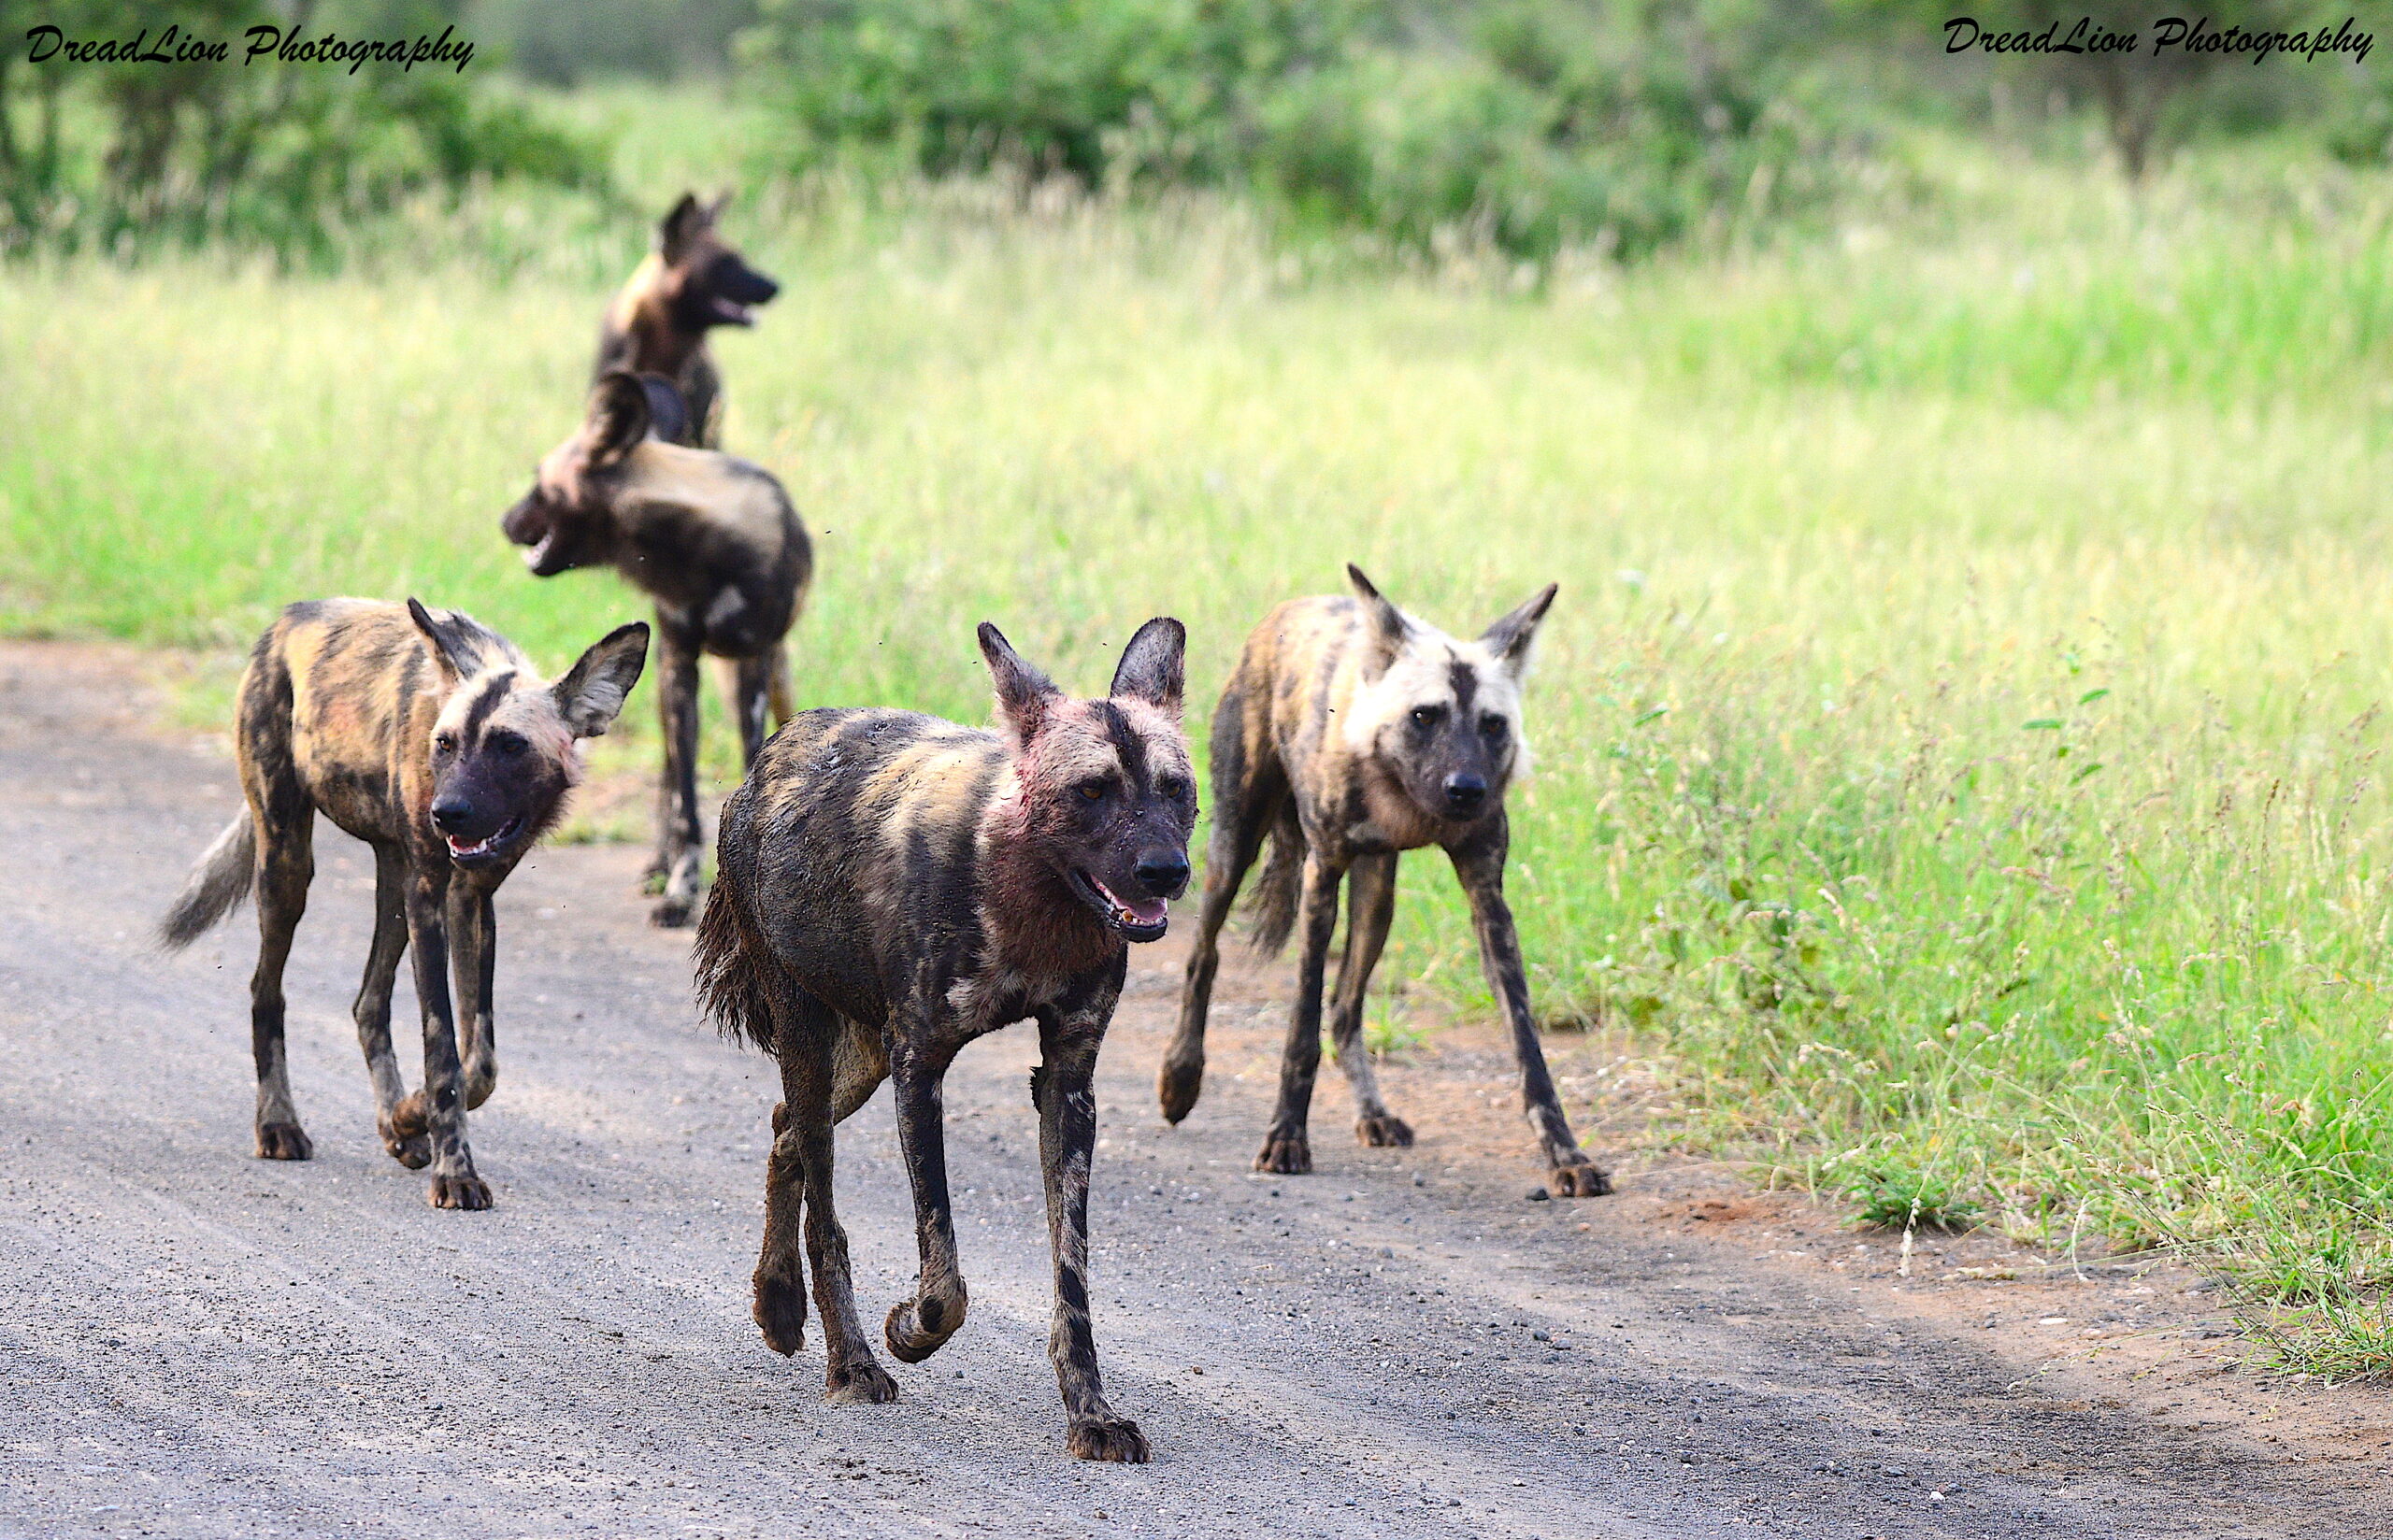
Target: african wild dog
657	325
432	740
714	541
890	887
1351	732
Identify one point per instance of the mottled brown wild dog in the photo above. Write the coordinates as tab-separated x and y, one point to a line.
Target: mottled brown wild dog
890	887
433	740
691	283
715	542
1351	732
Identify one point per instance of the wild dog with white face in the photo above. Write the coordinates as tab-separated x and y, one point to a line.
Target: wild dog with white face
432	738
1349	733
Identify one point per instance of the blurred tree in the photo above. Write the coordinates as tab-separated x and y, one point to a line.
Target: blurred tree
566	42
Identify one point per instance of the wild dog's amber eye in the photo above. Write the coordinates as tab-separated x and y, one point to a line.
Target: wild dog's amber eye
504	742
1427	716
1091	790
1172	787
445	743
1492	727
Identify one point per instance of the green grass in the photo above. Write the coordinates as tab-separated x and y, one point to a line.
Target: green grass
1957	734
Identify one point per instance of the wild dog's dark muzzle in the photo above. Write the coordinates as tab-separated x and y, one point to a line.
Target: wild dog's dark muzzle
1161	871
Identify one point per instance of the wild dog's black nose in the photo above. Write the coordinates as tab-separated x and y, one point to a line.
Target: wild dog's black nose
452	814
1162	872
1464	792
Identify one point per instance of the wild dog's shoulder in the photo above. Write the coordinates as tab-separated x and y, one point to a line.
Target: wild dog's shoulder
640	293
873	751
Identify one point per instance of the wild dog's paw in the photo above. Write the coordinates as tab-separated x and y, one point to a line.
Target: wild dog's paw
412	1151
1287	1154
409	1120
1384	1130
467	1191
1178	1086
284	1142
921	1327
1584	1179
672	912
779	1309
1114	1438
859	1382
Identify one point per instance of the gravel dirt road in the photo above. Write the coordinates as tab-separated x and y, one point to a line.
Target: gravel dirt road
200	1343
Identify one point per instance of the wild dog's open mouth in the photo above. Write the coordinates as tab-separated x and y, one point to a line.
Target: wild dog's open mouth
535	555
1144	920
462	851
730	312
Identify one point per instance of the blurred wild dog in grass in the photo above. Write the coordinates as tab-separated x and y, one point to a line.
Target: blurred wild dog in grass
1351	732
432	740
657	325
889	887
715	542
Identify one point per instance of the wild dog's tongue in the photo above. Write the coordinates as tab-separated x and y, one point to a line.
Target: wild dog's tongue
1146	911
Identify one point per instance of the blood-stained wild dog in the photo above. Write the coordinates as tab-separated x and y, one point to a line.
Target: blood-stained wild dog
715	542
1351	732
432	740
691	283
890	887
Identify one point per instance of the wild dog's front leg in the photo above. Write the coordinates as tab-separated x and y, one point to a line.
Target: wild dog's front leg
918	1327
398	1118
1284	1145
1480	865
679	840
454	1185
1061	1088
1370	907
473	932
751	690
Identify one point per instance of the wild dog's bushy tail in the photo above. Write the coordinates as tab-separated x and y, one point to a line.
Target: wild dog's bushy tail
1279	884
221	880
735	976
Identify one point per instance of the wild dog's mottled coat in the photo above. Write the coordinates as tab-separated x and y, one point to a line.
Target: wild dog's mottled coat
715	542
890	887
1349	733
432	740
657	324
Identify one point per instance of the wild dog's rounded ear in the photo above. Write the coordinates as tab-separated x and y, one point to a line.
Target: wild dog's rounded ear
684	224
1388	621
1509	638
452	638
619	416
1024	693
593	689
668	415
1153	666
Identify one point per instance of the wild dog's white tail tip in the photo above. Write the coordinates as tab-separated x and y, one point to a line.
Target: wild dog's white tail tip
219	883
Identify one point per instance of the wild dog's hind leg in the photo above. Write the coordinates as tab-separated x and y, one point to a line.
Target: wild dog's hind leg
1284	1145
918	1327
752	689
678	839
473	934
454	1183
805	1041
1371	906
1061	1088
778	1299
398	1118
286	865
1480	865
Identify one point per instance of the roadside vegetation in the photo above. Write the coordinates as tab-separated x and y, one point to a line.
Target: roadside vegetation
1958	735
